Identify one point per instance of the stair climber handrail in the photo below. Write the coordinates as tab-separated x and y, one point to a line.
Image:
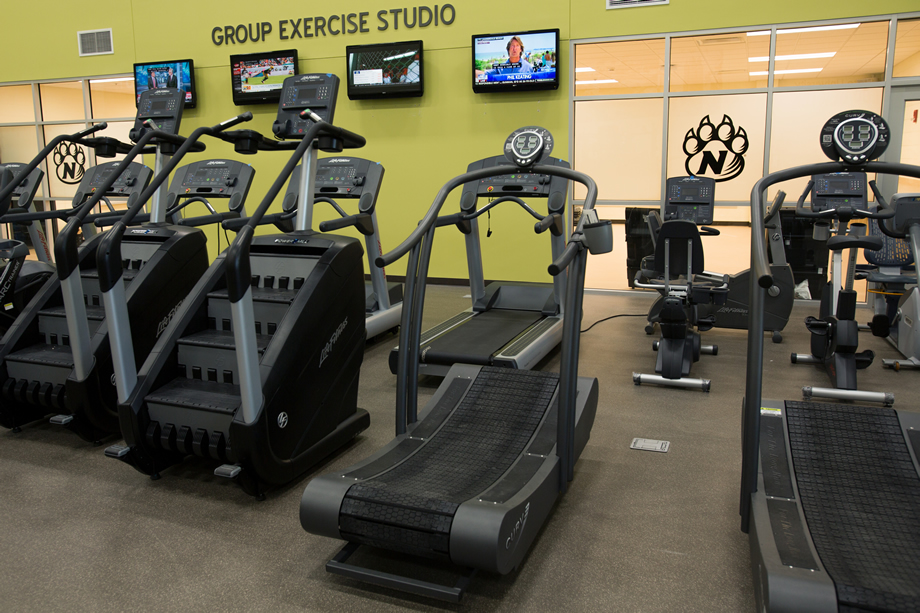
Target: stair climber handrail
108	255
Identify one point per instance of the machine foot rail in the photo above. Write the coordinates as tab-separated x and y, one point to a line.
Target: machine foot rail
885	398
339	566
698	384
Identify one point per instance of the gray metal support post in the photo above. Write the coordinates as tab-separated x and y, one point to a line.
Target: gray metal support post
119	327
247	356
77	324
304	220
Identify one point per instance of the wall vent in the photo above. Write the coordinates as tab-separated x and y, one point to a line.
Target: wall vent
95	42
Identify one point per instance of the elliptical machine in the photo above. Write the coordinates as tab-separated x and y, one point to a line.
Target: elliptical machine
841	198
258	369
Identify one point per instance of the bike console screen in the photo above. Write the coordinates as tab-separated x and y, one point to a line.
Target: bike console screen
690	198
840	189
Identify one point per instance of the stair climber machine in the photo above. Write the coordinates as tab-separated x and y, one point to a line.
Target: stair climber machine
829	492
676	272
840	197
513	325
472	480
23	278
258	369
899	320
56	357
733	313
350	178
20	278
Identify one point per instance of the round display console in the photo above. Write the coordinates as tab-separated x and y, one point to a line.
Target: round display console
855	136
528	146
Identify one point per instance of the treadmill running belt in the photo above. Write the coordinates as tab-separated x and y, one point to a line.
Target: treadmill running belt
474	341
410	507
861	495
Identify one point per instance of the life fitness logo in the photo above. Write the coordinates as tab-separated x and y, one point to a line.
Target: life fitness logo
332	340
715	151
70	163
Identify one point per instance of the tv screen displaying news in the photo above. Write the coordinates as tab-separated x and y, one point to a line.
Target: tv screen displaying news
388	70
179	74
257	78
516	61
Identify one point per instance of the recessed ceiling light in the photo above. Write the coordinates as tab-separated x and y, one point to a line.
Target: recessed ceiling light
797	56
585	69
763	73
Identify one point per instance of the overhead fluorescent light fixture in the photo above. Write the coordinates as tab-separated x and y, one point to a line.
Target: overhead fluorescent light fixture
843	26
584	69
763	73
596	82
797	56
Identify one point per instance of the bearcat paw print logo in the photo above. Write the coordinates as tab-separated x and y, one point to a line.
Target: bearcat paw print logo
715	151
70	163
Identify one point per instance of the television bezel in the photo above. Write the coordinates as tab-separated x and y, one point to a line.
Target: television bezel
191	79
515	86
391	90
272	97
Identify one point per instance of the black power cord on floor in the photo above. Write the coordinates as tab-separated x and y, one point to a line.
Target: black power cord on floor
613	317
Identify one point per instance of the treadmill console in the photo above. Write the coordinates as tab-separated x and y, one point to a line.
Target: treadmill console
25	190
690	198
855	136
132	180
162	106
340	177
523	184
317	92
528	146
839	189
212	179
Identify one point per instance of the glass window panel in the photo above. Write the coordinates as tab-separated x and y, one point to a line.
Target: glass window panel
721	137
907	49
621	172
797	121
716	61
18	144
66	164
62	101
629	67
16	104
112	97
858	54
910	146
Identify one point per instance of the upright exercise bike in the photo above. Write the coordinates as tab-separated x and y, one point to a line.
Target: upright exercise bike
841	198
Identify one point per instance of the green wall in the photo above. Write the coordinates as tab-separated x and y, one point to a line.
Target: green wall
422	142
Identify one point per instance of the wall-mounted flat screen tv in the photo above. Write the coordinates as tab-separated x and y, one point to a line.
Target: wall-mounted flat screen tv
258	77
516	61
179	74
388	70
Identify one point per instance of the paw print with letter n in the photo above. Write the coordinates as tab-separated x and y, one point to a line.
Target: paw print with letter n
715	151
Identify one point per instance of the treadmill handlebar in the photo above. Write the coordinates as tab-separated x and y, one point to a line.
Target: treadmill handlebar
431	217
239	271
8	189
108	254
761	269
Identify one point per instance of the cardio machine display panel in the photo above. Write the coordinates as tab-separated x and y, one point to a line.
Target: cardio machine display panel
163	107
691	198
840	189
855	136
316	92
96	177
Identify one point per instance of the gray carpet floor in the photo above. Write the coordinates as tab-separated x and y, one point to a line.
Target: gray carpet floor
637	531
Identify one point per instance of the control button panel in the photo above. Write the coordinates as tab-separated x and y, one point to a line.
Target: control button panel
528	146
691	198
855	136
